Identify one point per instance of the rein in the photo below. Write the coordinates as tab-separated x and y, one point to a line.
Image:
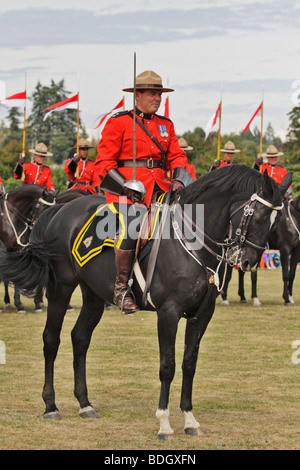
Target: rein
289	210
26	221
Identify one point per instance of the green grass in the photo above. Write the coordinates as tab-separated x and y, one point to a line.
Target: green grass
246	391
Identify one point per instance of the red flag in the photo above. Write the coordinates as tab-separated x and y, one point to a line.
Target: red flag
70	103
211	123
166	112
18	100
250	123
102	117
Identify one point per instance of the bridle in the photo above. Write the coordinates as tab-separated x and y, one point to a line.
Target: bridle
231	247
290	209
27	221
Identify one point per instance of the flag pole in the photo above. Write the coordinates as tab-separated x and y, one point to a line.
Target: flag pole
77	137
262	262
134	116
24	120
219	134
261	122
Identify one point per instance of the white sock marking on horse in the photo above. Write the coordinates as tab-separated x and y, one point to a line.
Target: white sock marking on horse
163	417
190	421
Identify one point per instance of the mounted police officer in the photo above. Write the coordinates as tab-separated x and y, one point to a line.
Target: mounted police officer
80	169
189	166
229	150
157	152
275	171
35	172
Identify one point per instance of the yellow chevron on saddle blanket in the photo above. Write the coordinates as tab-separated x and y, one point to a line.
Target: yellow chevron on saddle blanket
100	229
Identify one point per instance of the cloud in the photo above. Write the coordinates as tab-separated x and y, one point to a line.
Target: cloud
49	26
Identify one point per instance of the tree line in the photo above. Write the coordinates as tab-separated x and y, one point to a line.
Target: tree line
59	134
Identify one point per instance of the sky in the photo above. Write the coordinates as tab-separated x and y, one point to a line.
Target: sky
236	51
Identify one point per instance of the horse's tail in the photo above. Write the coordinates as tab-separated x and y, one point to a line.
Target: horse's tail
30	269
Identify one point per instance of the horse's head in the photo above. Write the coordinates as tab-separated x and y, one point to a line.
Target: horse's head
252	220
46	200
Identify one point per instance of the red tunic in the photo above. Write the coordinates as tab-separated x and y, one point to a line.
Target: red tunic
85	175
117	144
36	174
276	172
224	163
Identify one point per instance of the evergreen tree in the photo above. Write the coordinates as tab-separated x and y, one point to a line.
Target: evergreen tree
59	130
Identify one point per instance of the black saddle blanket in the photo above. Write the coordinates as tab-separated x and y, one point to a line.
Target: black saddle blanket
100	229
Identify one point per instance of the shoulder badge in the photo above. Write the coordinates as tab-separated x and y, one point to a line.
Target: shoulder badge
121	113
163	117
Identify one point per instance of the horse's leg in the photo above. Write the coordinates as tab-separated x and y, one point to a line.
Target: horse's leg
17	301
293	266
38	300
241	291
90	315
256	301
284	257
167	329
6	294
193	334
225	301
58	300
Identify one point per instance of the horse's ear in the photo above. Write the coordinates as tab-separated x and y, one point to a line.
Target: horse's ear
286	183
267	185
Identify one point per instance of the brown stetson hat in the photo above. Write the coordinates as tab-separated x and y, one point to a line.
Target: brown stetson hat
82	144
272	151
41	149
184	145
148	80
229	147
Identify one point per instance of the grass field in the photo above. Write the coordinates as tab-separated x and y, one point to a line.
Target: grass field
246	392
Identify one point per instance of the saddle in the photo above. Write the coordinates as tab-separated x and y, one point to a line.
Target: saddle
99	231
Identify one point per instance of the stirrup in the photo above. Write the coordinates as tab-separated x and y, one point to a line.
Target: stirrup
126	292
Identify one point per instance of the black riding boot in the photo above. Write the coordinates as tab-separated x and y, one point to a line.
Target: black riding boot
124	259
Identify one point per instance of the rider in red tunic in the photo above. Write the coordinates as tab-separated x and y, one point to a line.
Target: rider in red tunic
229	151
189	166
2	190
80	169
35	172
154	158
275	171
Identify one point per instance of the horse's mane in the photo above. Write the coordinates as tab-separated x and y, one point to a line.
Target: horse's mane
228	180
27	188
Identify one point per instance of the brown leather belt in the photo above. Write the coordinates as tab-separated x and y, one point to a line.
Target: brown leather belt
149	163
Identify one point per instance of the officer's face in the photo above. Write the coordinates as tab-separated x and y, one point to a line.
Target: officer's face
39	159
273	160
148	101
228	156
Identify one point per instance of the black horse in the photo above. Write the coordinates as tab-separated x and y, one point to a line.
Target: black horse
285	237
239	205
19	210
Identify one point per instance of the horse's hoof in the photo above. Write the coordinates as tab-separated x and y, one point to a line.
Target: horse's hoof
243	301
165	437
53	415
88	412
225	303
288	304
194	431
38	310
22	312
256	302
